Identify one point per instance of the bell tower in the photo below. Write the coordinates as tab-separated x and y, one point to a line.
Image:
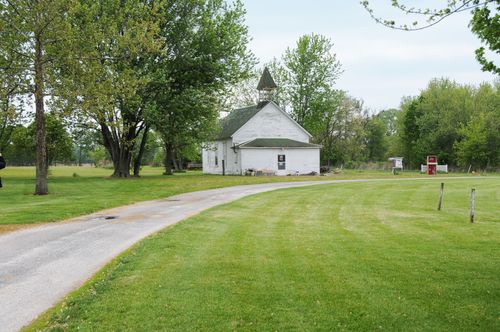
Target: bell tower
266	87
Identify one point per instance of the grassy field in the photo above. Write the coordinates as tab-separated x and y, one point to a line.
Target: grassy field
350	256
81	190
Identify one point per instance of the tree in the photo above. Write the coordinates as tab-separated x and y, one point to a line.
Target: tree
59	144
10	99
376	143
485	22
486	26
191	117
31	32
343	134
306	77
409	131
99	156
312	70
20	150
205	51
243	93
389	118
478	142
22	146
8	121
114	44
85	135
472	149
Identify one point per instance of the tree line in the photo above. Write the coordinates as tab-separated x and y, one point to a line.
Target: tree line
458	123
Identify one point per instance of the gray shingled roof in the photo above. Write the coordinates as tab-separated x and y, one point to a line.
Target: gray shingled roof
236	119
277	143
266	81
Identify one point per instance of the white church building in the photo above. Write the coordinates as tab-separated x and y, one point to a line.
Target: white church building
261	139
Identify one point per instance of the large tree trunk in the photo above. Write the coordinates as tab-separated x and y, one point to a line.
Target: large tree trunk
138	160
178	162
121	154
122	164
175	162
41	187
169	159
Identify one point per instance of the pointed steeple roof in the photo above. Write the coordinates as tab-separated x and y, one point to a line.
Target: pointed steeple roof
266	82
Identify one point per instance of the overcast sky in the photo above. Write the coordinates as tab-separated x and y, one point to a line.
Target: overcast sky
380	65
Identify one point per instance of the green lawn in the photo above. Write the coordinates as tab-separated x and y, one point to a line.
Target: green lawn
92	190
351	256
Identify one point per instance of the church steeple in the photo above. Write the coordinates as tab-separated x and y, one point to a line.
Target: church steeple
266	86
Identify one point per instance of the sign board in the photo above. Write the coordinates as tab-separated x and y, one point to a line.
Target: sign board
397	162
432	162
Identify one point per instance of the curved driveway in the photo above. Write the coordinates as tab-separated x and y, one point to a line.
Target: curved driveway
40	265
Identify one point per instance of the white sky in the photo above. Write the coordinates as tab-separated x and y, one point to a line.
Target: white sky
381	65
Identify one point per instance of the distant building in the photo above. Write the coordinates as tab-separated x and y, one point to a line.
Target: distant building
261	139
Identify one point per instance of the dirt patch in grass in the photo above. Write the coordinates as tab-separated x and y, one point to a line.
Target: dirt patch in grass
11	228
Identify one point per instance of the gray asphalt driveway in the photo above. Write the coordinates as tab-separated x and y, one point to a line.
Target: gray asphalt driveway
40	265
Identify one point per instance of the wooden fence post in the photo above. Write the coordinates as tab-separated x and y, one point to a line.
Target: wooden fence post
472	204
440	196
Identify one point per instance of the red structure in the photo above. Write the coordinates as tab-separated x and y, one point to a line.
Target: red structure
432	162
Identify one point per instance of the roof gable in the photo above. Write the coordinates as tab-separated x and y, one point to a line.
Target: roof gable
236	119
278	109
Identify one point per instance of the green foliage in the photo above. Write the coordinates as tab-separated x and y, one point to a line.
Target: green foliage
205	52
485	24
473	148
479	142
32	38
434	121
389	118
59	143
99	156
343	135
376	143
312	70
153	146
243	93
112	47
10	105
21	150
306	77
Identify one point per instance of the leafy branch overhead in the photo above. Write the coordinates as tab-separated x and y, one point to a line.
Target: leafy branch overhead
485	22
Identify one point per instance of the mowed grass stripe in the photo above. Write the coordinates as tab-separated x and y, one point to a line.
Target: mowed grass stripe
358	256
